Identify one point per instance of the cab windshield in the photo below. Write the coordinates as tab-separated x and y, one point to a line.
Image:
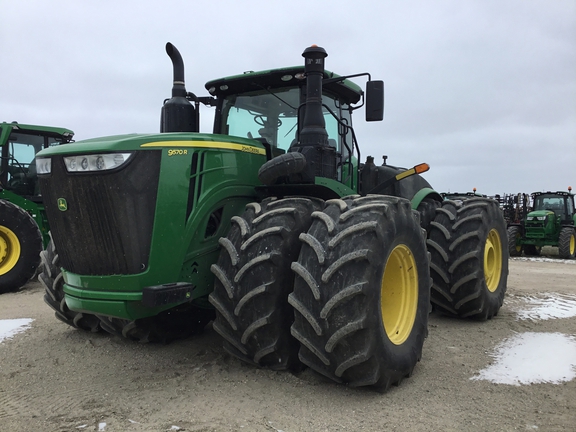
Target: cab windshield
560	205
18	168
273	115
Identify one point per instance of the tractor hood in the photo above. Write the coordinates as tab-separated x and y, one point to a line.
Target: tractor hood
133	142
539	214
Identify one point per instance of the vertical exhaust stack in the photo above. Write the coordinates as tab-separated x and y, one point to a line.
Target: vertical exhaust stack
178	114
313	138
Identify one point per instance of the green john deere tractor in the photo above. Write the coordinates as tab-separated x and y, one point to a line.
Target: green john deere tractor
23	223
551	222
270	226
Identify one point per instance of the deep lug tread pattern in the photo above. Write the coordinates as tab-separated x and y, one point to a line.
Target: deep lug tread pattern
253	313
456	242
301	271
427	209
23	226
315	245
52	280
337	293
223	278
229	247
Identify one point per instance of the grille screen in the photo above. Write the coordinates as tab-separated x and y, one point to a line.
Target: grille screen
107	228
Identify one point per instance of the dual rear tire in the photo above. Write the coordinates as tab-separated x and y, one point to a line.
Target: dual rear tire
362	291
469	260
253	280
343	289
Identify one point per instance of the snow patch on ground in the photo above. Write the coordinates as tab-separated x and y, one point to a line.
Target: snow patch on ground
532	358
543	306
544	259
11	327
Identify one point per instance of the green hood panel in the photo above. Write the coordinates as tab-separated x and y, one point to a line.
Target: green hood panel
540	213
134	142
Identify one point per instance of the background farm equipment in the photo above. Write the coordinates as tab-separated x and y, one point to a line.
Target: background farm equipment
23	223
550	221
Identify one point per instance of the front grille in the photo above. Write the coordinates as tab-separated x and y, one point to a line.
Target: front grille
535	229
107	228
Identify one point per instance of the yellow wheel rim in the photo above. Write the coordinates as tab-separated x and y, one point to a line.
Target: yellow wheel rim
572	244
493	260
518	247
9	250
399	294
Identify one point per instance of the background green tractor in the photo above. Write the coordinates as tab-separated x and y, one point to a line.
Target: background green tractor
457	196
271	226
23	223
551	222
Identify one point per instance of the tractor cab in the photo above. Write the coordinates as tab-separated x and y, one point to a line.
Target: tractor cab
267	105
19	144
558	204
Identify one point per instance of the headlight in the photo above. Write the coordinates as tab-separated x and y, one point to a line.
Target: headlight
540	218
96	162
43	165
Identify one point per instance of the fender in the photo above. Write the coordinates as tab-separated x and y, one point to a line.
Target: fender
425	193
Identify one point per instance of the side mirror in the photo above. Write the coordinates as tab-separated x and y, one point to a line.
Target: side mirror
374	101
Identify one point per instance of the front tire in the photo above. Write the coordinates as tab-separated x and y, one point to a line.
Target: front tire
253	280
179	322
514	234
567	243
20	246
51	279
362	291
469	264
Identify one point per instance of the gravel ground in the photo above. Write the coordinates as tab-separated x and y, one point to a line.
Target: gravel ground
55	378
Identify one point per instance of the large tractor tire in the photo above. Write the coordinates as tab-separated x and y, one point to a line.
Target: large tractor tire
281	166
51	278
469	264
20	246
253	280
427	209
179	322
362	291
514	233
567	243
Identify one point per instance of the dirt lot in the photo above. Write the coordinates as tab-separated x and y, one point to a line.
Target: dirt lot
54	378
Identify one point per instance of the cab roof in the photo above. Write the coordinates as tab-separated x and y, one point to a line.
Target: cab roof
7	128
277	79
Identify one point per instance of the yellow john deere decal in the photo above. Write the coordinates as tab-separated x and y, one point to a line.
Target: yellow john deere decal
62	204
175	152
205	144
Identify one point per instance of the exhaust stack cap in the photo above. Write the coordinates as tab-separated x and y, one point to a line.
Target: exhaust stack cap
178	114
179	88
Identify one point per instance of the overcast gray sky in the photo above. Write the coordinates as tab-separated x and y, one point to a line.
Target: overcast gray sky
484	91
